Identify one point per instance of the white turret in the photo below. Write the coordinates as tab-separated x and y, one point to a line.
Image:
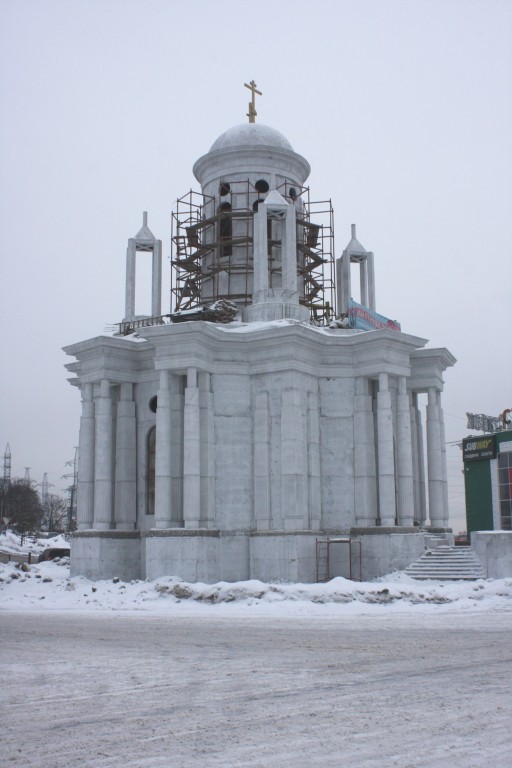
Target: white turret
144	241
355	253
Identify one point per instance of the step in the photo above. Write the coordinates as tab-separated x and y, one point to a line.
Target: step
447	563
432	541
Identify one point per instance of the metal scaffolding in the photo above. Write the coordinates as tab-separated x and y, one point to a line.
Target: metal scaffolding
212	248
323	558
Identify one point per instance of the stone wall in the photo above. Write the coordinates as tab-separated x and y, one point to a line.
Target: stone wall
494	550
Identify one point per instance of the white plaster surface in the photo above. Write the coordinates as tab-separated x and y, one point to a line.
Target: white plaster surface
283	557
494	550
385	553
105	556
197	556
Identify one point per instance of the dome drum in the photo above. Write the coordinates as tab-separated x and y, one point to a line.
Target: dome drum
258	162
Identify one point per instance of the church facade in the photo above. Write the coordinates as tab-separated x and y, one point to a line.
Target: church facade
222	440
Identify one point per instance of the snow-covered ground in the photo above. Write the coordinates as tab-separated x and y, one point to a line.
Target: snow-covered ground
167	674
47	586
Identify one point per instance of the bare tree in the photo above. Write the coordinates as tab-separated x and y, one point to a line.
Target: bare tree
55	513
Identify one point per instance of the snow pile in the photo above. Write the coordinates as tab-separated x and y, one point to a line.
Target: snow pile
259	325
10	543
48	586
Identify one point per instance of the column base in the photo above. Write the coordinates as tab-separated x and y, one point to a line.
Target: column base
378	530
365	522
435	527
163	525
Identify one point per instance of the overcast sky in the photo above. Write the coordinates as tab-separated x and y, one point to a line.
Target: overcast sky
402	108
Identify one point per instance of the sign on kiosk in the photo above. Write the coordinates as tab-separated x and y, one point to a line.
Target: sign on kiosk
476	449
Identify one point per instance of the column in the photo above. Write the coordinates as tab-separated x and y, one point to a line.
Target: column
404	456
371	280
443	460
103	459
293	463
345	285
125	509
177	388
191	453
289	251
314	487
435	464
207	458
421	466
387	505
365	480
415	456
85	497
129	311
260	252
163	506
363	282
156	280
261	425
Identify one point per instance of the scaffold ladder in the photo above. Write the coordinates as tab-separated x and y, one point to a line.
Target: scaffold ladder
322	561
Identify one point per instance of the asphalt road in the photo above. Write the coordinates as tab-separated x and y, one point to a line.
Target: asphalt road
407	690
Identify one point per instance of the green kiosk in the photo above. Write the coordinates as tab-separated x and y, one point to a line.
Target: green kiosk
488	481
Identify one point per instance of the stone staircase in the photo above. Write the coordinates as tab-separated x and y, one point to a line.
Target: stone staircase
445	563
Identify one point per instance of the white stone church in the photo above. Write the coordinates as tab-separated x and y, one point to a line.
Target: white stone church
267	410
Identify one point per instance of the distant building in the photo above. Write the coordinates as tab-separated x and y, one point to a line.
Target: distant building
221	440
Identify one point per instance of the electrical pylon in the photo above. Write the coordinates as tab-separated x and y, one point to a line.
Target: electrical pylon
7	466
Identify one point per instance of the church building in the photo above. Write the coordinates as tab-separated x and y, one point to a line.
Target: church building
266	409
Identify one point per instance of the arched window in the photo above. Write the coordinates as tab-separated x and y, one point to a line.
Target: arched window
150	471
262	185
225	229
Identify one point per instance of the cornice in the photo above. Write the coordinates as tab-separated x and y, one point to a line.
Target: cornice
268	349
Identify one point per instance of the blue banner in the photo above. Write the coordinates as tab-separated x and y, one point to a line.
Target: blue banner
365	319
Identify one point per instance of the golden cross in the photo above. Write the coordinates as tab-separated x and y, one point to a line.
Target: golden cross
252	105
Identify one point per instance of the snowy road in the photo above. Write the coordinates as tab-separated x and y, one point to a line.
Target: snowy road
383	689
